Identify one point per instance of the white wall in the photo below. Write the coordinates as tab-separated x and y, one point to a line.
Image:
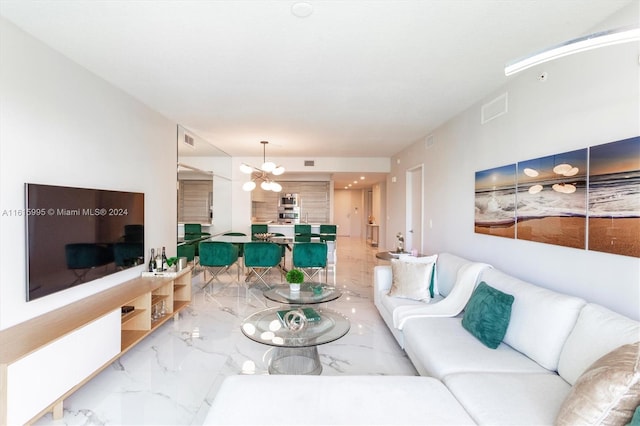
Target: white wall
588	99
62	125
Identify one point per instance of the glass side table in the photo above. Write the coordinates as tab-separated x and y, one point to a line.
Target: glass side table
306	295
296	352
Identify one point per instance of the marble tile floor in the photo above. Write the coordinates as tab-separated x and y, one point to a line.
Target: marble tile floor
171	377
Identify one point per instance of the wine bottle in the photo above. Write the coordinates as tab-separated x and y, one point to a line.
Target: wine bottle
158	261
152	262
164	258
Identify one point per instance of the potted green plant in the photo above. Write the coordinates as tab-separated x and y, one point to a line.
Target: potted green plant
295	277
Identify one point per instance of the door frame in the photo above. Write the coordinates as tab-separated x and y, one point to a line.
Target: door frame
414	195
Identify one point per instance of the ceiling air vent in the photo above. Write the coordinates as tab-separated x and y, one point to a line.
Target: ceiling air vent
189	140
309	163
495	108
429	141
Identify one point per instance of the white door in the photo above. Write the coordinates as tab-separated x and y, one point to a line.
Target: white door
413	237
342	211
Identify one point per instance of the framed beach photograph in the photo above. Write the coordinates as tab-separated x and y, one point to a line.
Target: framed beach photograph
552	199
614	197
495	201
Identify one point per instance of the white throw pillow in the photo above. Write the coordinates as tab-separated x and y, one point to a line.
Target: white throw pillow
426	259
607	393
411	280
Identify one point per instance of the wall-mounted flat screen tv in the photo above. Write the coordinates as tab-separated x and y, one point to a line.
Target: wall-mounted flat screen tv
76	235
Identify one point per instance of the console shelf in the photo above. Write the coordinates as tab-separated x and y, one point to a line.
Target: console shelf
129	316
94	330
130	338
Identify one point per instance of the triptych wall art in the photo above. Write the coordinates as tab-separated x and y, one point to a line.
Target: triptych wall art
587	199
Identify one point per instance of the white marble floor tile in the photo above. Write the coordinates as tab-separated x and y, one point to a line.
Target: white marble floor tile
171	377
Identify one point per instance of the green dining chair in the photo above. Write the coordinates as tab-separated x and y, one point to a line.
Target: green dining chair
192	228
300	228
302	233
283	248
187	250
258	229
240	246
260	257
217	257
193	231
328	232
311	258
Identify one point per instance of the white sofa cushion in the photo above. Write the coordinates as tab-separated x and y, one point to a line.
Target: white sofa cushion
509	399
336	400
541	319
447	267
597	332
390	303
386	306
439	346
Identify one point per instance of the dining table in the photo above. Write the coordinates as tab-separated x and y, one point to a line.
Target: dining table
282	240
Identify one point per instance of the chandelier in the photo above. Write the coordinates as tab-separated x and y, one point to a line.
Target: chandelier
263	173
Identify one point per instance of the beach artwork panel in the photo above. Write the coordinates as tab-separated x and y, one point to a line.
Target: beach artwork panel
614	197
552	199
495	201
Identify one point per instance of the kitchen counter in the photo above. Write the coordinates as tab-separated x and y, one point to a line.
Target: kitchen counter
287	228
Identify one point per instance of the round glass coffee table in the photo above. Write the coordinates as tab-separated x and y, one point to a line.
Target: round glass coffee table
296	352
306	295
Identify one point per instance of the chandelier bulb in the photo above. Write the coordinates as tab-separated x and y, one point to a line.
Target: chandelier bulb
249	186
245	168
268	167
266	185
276	187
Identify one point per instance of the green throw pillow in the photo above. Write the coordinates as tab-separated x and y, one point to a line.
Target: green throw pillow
635	420
433	281
487	314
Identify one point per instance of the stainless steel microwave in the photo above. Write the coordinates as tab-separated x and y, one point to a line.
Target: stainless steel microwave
289	200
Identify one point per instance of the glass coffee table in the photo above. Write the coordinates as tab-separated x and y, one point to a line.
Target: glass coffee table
306	295
296	352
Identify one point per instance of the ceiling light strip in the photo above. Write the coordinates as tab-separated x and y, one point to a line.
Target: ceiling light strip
582	44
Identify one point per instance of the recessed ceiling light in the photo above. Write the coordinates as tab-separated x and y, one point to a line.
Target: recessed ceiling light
301	9
361	177
355	181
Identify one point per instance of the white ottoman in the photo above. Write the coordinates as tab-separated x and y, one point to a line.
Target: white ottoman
335	400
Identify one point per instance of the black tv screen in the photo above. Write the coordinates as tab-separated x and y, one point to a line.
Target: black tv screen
76	235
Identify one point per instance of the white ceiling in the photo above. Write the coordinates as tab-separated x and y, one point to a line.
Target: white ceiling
353	79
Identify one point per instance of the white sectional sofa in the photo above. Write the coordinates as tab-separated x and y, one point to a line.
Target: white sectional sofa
539	374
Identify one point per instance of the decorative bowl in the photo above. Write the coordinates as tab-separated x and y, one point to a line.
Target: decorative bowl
263	235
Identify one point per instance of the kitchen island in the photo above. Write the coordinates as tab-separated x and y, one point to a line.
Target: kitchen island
287	228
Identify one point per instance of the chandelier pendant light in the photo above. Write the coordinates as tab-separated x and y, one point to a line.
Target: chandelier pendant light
264	174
